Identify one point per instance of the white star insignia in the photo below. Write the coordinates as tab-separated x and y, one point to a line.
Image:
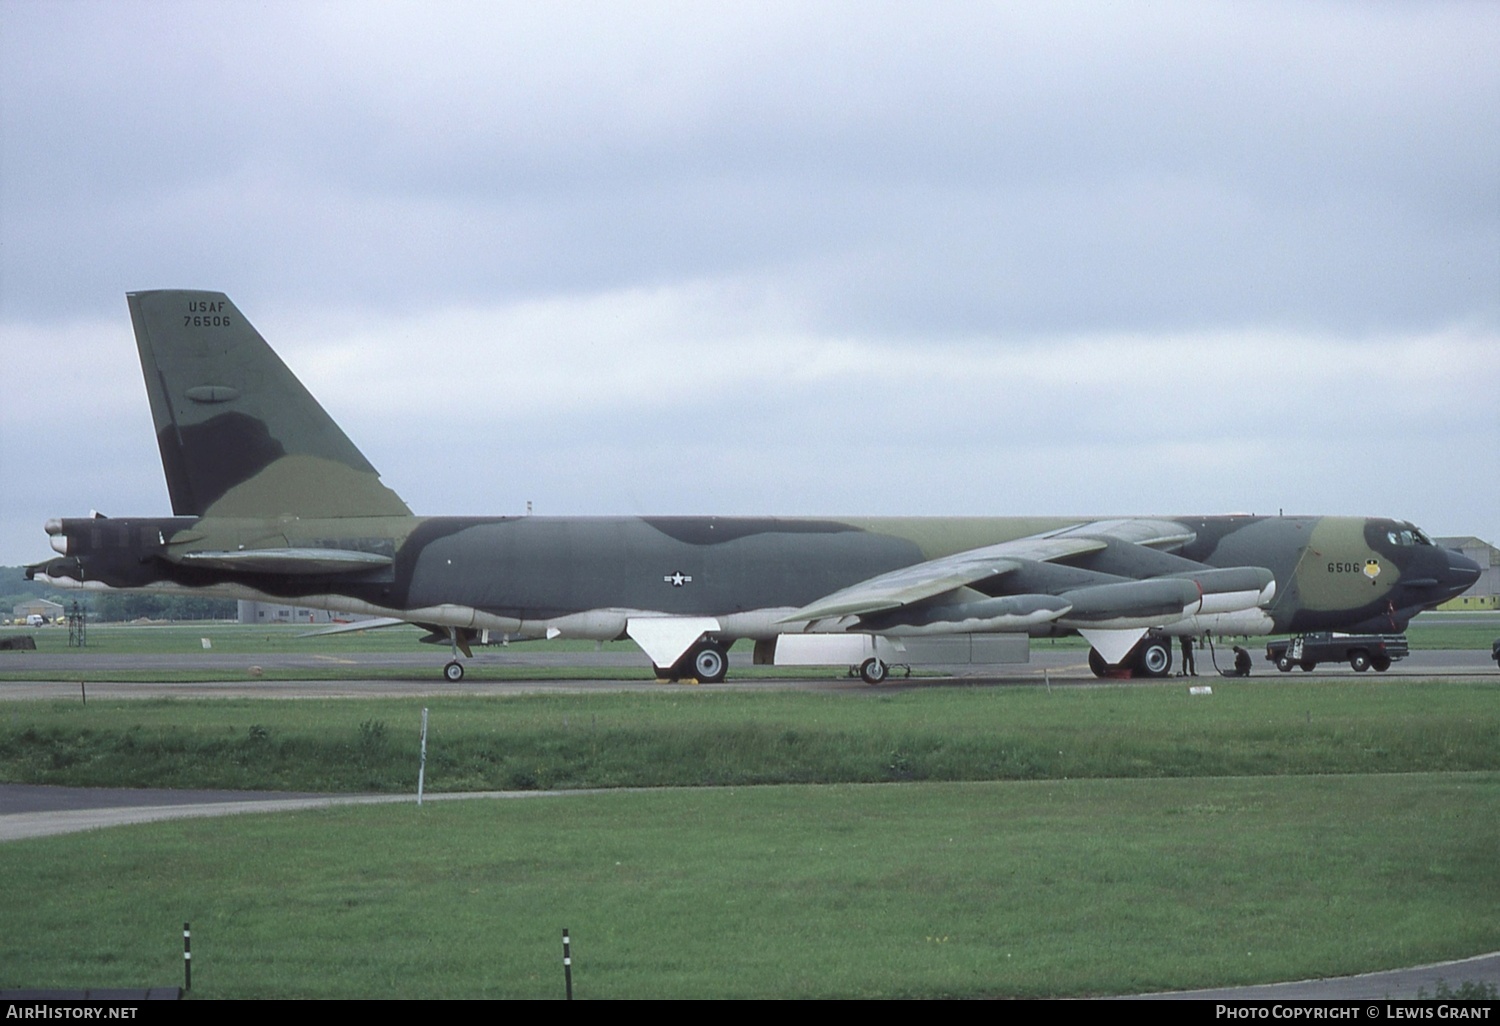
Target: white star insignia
678	579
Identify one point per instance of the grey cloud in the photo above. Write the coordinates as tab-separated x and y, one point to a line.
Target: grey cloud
1007	177
1151	164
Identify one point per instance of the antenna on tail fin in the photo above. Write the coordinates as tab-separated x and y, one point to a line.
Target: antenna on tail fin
239	434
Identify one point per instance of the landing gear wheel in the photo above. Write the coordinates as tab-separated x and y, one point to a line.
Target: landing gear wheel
1359	661
454	671
873	671
708	663
1097	663
1381	663
1154	657
1284	664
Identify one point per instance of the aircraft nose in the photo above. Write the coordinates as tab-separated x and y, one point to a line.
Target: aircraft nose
1461	573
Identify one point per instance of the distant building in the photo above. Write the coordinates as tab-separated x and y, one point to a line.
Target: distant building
45	607
271	612
1486	591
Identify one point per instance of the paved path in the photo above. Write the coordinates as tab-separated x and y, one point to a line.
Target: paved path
619	671
1424	981
29	810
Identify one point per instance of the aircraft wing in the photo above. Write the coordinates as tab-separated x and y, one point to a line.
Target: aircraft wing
923	581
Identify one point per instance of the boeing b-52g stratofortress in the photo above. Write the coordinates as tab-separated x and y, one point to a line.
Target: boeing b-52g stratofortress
273	502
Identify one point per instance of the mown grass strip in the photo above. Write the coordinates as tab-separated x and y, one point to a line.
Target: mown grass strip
679	737
925	890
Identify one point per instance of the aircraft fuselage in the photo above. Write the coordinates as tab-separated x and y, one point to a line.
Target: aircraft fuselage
274	502
520	575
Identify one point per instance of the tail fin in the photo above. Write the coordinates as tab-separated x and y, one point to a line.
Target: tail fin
239	434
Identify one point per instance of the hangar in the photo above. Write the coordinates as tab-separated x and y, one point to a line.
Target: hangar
1485	594
53	611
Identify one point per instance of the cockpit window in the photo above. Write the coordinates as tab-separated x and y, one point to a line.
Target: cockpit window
1407	536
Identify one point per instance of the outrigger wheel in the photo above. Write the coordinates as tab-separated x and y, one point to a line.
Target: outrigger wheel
454	671
874	670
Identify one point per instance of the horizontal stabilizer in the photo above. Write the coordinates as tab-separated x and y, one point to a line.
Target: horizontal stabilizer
356	625
299	562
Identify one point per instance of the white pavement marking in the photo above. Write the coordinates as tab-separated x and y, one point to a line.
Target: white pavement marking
22	825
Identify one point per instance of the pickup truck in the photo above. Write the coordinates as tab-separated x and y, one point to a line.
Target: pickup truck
1360	651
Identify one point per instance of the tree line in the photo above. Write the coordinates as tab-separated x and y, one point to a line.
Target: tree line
111	606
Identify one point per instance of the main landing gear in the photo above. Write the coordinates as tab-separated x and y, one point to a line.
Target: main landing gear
1152	657
707	662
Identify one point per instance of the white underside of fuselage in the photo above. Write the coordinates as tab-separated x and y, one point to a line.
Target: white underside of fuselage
591	624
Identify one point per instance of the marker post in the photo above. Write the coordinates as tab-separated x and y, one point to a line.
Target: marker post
422	767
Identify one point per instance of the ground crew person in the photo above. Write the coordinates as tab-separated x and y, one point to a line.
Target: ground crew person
1241	662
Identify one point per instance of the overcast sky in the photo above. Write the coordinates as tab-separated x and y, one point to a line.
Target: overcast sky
803	258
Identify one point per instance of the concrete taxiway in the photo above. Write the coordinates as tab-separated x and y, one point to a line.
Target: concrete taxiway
509	672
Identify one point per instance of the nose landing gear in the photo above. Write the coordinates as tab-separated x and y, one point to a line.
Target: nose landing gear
453	672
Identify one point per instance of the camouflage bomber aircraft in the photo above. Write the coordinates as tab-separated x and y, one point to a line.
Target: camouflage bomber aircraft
272	502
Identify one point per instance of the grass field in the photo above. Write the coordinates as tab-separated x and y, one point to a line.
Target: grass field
683	737
926	843
913	890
